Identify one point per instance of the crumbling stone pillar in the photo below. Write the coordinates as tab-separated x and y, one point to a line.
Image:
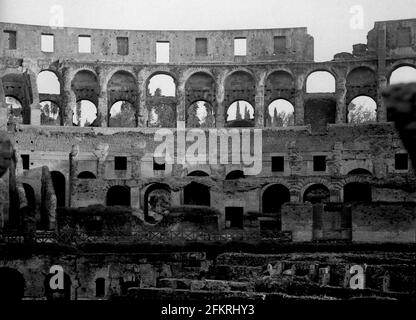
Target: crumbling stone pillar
35	110
3	109
142	113
220	105
102	108
68	98
299	103
341	93
259	106
381	107
181	99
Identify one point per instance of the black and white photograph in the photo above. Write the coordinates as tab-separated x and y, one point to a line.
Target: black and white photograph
207	159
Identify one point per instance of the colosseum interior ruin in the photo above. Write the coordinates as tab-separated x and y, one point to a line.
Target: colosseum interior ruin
81	166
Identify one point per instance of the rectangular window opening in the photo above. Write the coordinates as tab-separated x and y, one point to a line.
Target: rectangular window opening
47	43
234	217
319	163
279	44
240	46
84	44
11	39
278	164
201	46
162	52
120	163
401	161
122	46
25	161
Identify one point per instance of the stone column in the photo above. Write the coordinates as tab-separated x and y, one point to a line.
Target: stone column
102	108
259	106
341	94
69	100
35	111
142	114
220	117
381	108
181	101
3	109
299	102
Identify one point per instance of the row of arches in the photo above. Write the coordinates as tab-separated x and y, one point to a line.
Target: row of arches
200	95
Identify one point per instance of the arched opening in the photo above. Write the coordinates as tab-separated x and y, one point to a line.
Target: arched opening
48	83
200	86
405	74
240	114
85	86
280	114
360	171
357	192
272	200
17	86
361	81
57	294
161	101
362	109
320	82
100	287
198	173
50	115
236	174
200	114
118	196
59	184
316	193
279	84
86	175
157	200
196	194
84	114
12	284
30	196
122	114
239	87
14	110
161	85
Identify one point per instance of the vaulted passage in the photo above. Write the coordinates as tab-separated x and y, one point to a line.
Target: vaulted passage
58	181
316	193
196	194
161	101
17	86
200	114
274	197
12	284
240	114
233	175
280	113
357	192
362	109
30	196
118	196
157	199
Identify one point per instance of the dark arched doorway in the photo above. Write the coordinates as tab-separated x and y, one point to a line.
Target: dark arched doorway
272	200
196	194
316	193
58	181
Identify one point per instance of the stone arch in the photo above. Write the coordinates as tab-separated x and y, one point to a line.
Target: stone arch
239	85
200	114
196	194
157	199
118	196
14	110
273	197
122	114
279	113
237	112
17	85
361	81
402	73
198	173
59	184
361	109
85	85
279	84
235	174
51	113
48	82
359	171
200	85
320	81
122	86
86	175
12	286
316	193
87	114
